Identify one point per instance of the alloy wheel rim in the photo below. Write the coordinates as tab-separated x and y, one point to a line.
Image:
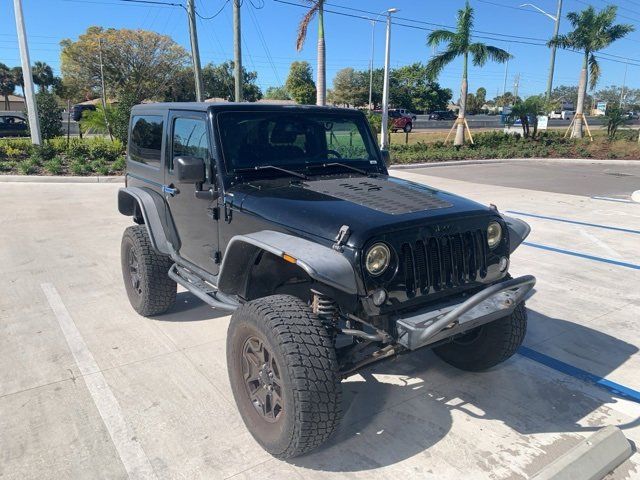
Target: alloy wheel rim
261	374
134	271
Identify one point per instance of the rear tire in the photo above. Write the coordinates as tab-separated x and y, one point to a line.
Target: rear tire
488	345
407	128
284	375
145	273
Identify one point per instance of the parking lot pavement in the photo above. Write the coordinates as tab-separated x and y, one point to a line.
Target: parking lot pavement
89	389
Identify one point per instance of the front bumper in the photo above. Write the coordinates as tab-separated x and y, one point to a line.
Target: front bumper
496	301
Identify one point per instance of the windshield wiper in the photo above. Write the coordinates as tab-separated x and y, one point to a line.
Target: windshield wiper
337	164
271	167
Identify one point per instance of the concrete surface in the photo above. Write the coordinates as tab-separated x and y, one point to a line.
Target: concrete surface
77	387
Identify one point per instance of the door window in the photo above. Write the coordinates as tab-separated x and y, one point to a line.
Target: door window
145	144
190	139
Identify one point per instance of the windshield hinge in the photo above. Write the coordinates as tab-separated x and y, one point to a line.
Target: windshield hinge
228	212
341	238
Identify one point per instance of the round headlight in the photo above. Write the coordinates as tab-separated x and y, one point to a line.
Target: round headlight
377	259
494	234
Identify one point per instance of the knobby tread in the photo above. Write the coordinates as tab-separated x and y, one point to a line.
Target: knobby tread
312	366
498	341
158	289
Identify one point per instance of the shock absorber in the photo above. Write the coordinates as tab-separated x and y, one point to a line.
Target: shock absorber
326	308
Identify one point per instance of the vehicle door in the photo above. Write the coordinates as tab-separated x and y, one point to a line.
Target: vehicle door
193	206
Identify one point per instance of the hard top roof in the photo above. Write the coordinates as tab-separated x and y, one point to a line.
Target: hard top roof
228	106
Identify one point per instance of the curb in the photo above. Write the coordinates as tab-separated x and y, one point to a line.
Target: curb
407	166
591	459
59	179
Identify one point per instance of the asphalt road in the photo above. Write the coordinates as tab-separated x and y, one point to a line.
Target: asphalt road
572	178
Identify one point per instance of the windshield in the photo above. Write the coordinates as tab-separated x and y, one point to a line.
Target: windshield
295	140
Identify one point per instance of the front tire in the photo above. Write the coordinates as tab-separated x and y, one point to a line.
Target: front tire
145	273
284	375
488	345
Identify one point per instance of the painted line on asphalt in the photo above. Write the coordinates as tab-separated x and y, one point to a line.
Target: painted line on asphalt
132	455
575	222
560	366
610	199
583	255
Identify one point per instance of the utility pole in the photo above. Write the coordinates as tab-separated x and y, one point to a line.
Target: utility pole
384	141
552	68
237	50
506	74
516	87
195	52
29	94
624	85
373	43
104	90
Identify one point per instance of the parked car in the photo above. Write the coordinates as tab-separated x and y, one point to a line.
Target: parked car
287	217
13	126
78	110
562	114
400	121
442	115
407	113
633	115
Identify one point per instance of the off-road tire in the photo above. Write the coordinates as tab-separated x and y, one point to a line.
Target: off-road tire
304	351
407	128
156	292
489	345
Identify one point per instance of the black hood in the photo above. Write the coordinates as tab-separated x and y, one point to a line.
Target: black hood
368	205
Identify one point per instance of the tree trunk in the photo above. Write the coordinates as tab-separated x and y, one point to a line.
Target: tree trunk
582	93
321	83
464	88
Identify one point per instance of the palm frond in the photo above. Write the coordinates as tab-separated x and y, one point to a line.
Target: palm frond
619	31
437	37
464	24
594	71
304	24
483	53
439	61
562	41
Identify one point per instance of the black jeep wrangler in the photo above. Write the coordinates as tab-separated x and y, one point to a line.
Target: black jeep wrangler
287	217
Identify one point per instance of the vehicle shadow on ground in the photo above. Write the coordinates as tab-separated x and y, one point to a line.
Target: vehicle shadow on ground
189	308
399	409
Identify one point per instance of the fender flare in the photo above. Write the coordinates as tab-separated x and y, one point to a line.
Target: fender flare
321	263
518	231
155	215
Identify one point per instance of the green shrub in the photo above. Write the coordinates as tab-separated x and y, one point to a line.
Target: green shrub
119	165
53	166
79	166
27	167
78	149
59	144
100	167
105	149
5	166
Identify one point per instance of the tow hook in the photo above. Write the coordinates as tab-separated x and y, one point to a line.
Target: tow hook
341	238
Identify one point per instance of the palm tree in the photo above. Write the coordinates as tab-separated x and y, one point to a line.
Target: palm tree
18	79
317	7
592	32
460	44
7	85
43	75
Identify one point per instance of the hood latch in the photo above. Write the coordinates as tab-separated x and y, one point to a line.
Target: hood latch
341	238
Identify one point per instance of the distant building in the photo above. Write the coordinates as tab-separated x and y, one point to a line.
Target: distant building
16	104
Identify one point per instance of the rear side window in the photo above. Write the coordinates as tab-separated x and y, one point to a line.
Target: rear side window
145	144
190	139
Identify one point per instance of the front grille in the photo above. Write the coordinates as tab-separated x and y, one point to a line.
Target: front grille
438	263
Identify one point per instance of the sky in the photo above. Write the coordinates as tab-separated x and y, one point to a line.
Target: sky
269	32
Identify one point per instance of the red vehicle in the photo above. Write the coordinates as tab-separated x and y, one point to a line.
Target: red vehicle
399	121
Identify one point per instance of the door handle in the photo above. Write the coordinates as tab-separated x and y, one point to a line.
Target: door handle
169	189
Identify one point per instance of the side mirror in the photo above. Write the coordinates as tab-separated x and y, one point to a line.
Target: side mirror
189	169
386	157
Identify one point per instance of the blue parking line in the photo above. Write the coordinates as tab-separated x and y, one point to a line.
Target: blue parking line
575	222
610	199
559	366
583	255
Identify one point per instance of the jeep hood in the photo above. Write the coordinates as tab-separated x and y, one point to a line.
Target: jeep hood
368	205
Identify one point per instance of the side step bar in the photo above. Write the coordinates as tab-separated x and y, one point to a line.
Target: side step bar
201	289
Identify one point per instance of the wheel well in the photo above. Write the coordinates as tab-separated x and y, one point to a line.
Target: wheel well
269	275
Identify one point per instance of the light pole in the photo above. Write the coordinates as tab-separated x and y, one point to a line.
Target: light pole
556	30
384	141
373	43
